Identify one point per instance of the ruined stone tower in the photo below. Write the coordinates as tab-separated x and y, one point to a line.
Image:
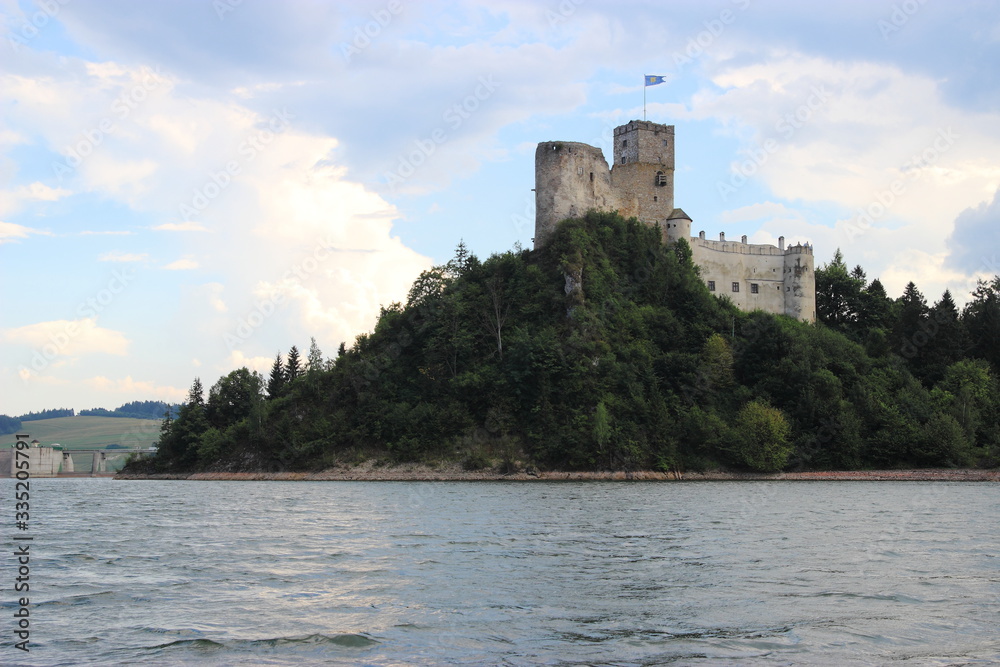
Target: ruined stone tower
572	178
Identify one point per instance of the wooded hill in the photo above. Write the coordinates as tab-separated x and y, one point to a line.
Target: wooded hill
604	350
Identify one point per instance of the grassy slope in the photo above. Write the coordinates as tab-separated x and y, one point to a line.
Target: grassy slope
89	432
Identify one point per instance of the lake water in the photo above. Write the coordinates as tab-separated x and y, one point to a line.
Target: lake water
706	573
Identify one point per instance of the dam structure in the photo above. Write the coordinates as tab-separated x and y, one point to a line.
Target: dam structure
572	178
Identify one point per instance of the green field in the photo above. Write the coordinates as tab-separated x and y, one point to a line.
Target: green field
89	432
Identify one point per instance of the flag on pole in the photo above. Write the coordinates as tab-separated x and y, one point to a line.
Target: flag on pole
652	79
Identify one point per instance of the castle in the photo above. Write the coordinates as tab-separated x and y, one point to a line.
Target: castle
572	178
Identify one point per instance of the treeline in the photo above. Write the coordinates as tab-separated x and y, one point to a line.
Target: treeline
13	424
929	338
604	350
47	414
134	410
9	425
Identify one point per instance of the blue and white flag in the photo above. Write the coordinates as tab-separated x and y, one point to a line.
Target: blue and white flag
652	79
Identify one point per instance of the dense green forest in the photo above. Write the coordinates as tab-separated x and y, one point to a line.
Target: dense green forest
604	350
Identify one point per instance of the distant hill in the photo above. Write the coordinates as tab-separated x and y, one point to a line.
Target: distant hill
90	432
135	409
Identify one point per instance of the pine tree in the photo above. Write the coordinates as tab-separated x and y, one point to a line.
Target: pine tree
277	380
196	395
910	334
293	366
948	339
315	359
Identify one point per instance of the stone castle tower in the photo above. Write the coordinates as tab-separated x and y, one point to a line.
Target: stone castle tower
572	178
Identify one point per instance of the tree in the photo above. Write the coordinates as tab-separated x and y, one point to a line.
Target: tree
876	309
178	443
276	381
981	317
233	397
602	428
498	302
293	365
315	359
910	329
463	260
428	285
948	339
761	435
717	363
838	294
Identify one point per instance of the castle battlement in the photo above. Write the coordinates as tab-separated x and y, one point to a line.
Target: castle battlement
572	178
744	248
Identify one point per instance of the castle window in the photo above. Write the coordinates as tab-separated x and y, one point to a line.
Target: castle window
754	288
664	142
661	179
736	287
711	285
591	177
624	143
654	199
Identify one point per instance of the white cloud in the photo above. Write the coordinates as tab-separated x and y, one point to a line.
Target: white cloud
212	293
115	256
15	199
760	211
238	360
9	232
69	338
183	264
129	389
862	137
189	226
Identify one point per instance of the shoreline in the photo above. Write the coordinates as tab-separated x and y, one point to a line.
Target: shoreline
454	473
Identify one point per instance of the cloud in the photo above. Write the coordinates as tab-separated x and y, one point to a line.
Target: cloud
135	390
189	226
106	233
238	360
212	293
69	338
760	211
115	256
15	199
974	243
184	264
877	150
10	233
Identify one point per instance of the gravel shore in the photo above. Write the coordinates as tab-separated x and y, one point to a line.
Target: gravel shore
454	473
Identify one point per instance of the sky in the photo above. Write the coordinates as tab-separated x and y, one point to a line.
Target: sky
190	187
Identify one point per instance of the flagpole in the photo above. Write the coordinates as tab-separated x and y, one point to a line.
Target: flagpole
644	98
